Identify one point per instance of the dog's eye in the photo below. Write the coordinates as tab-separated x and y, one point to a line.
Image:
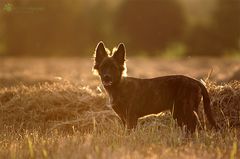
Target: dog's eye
108	66
104	67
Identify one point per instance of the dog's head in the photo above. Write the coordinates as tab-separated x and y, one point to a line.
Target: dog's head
110	67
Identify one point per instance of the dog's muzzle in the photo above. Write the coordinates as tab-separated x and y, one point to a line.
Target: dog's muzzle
107	80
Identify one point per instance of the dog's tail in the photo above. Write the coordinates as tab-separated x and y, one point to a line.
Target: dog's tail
207	107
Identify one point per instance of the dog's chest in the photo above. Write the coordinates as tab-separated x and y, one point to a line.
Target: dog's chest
118	104
110	104
114	101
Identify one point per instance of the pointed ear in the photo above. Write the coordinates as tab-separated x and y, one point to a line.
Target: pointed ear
120	54
100	54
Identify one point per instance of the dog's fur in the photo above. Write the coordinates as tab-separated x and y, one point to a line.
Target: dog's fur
132	98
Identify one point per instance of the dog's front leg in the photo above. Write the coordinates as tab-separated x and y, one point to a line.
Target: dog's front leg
123	121
131	122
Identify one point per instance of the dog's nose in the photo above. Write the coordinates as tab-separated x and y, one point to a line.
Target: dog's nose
107	78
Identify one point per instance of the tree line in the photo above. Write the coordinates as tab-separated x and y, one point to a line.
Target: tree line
59	27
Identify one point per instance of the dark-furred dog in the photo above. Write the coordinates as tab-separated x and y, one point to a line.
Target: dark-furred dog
132	98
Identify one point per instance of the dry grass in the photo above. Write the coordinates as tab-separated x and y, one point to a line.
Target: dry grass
225	99
68	119
48	106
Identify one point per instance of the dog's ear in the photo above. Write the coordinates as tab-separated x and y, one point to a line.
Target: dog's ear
100	54
120	54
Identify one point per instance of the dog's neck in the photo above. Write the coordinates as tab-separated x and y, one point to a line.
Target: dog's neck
114	89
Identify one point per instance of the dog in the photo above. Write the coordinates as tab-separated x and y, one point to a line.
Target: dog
132	98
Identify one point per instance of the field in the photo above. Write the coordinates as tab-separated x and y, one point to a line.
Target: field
56	108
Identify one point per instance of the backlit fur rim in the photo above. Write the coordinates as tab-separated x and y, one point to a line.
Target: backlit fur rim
110	54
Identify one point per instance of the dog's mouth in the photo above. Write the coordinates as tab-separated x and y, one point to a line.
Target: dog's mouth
107	83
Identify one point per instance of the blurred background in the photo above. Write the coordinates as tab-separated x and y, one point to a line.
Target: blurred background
172	28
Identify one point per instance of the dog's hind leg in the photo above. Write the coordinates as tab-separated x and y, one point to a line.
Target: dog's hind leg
177	112
191	111
184	114
191	121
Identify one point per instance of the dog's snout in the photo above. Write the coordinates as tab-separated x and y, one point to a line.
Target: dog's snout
107	78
